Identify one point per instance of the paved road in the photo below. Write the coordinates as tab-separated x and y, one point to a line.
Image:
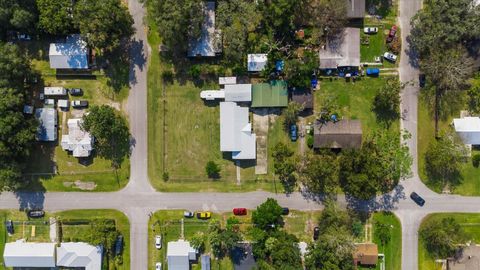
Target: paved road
138	198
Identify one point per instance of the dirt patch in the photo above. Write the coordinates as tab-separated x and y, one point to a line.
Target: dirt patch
81	185
115	105
260	127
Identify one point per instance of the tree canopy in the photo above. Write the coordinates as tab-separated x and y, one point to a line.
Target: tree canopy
328	17
443	161
268	215
441	238
386	103
17	15
320	173
56	16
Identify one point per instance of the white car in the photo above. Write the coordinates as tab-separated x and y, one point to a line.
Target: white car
370	30
390	56
158	241
158	266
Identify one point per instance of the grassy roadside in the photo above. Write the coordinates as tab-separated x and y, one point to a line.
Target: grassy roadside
393	249
469	222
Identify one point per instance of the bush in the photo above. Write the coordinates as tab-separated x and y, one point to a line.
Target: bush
396	45
212	169
310	141
165	176
195	71
476	160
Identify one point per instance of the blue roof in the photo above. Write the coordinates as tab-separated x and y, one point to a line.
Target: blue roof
69	55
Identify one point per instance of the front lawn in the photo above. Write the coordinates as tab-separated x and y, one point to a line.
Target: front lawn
301	224
392	249
469	222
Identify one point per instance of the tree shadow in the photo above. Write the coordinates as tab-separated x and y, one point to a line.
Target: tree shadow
384	202
379	7
413	56
30	200
137	58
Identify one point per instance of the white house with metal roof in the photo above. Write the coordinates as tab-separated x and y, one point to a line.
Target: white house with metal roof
236	132
23	254
77	141
77	254
73	54
179	255
231	92
468	129
47	130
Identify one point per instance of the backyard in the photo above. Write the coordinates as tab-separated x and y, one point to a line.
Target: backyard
469	222
53	169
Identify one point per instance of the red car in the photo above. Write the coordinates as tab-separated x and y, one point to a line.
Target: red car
239	211
392	33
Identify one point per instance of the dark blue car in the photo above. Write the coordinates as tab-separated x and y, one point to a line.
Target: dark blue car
373	72
293	132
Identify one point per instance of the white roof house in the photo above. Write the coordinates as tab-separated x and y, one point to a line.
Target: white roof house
47	130
236	132
468	128
22	254
179	255
207	44
73	54
238	92
55	91
257	62
79	142
83	255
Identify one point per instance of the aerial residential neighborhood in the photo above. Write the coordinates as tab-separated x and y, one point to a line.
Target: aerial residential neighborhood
240	134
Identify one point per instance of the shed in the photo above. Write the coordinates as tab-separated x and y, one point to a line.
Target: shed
338	135
227	80
73	54
365	254
55	91
303	97
273	94
81	255
355	9
207	45
257	62
236	132
23	254
63	103
468	129
179	255
342	51
238	92
47	129
205	262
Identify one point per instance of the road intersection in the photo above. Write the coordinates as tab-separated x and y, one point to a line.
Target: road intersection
138	198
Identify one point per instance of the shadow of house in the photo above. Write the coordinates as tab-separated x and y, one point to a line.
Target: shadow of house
242	257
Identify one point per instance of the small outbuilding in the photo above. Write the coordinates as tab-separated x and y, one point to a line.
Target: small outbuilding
22	254
63	104
73	54
366	254
238	92
205	260
303	97
55	91
28	109
47	128
273	94
257	62
344	134
179	255
468	129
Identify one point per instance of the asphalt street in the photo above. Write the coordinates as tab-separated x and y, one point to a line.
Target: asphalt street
138	198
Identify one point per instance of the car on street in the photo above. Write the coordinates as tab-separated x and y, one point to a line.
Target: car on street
421	80
75	91
158	241
35	213
158	266
390	56
370	30
239	211
188	214
316	233
79	104
285	211
392	33
293	132
417	199
204	215
9	225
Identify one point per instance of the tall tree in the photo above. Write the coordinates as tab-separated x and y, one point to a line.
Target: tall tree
386	103
56	16
443	161
328	17
291	113
279	16
103	232
442	237
17	15
104	24
268	215
320	173
284	165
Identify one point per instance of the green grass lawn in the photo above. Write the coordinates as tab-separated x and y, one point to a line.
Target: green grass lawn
470	186
301	224
168	224
469	222
393	249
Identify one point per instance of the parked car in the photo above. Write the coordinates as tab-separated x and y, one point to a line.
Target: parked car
316	233
79	103
119	245
204	215
374	72
392	33
390	56
370	30
421	80
293	132
417	199
9	225
158	241
188	214
285	211
75	91
239	211
35	213
158	266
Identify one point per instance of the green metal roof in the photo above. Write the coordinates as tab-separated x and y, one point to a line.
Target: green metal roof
273	94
